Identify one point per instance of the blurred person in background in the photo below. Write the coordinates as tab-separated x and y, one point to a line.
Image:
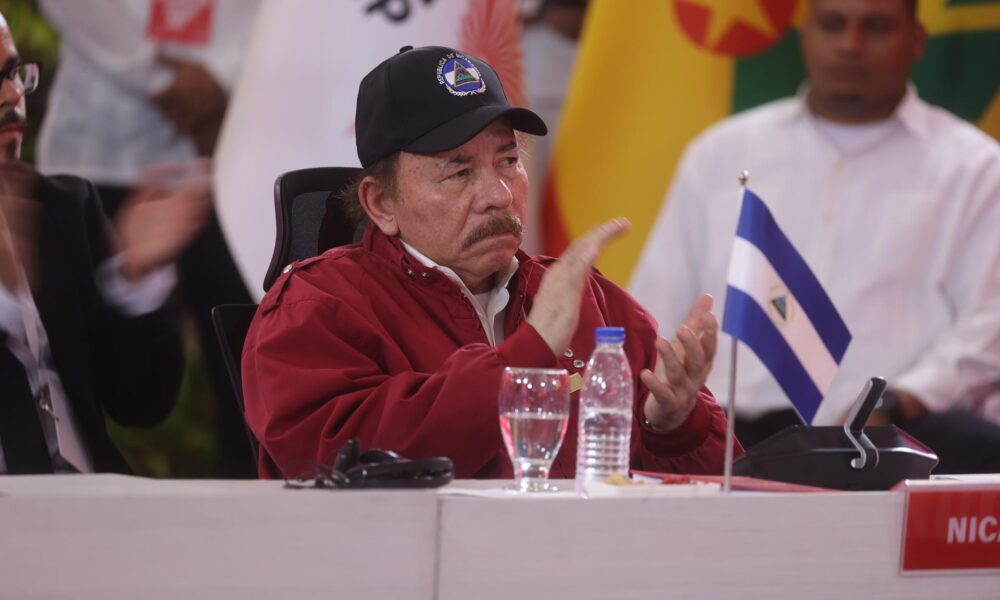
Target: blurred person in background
142	83
549	41
894	203
84	330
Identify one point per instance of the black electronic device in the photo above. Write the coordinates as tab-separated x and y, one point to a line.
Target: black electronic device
851	457
354	469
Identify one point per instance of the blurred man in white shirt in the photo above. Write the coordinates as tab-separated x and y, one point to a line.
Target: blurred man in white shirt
895	205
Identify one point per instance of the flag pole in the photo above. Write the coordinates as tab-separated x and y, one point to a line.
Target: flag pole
727	477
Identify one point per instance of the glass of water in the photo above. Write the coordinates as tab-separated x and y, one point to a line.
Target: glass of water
534	411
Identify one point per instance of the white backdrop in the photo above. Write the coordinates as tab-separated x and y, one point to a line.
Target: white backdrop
293	106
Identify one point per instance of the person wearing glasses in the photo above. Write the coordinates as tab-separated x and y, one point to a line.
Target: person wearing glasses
401	339
23	77
147	82
83	327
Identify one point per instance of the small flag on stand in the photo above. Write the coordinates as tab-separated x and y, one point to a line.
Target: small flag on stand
777	307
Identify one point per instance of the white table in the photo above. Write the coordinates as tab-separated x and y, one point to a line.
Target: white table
105	536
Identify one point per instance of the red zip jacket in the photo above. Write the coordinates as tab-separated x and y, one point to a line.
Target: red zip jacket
365	341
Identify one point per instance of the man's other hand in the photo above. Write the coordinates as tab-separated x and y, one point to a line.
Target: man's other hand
556	310
681	369
158	222
194	102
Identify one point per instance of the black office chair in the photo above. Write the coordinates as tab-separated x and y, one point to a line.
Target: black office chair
231	323
309	219
309	216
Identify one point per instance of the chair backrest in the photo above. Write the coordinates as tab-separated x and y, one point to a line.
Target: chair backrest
309	215
231	323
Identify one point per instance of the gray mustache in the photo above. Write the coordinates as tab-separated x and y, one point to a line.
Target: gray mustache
11	118
499	223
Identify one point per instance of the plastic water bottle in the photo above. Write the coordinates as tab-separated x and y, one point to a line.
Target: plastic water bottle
605	425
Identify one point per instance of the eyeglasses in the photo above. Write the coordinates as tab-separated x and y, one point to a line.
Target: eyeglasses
23	75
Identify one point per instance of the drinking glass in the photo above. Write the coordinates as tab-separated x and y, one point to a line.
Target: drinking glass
534	412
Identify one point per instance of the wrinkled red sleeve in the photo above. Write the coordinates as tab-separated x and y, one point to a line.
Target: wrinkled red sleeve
314	378
697	446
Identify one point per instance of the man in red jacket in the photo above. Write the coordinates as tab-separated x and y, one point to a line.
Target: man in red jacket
401	339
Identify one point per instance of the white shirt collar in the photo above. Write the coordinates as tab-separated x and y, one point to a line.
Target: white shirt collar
503	276
488	305
913	114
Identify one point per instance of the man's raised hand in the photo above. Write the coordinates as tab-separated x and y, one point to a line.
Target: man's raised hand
682	368
556	310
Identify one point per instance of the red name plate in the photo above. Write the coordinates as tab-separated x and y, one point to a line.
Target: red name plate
951	528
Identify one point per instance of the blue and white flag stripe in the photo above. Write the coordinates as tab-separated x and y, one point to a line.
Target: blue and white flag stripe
775	305
758	227
755	328
751	273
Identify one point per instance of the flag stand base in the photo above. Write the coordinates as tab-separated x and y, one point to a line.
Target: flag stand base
822	456
850	457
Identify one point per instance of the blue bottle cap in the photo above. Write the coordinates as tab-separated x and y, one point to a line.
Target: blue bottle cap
610	335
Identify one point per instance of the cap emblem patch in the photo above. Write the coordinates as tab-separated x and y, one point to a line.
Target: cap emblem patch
459	76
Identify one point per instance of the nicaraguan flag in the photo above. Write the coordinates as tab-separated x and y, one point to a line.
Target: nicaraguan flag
775	305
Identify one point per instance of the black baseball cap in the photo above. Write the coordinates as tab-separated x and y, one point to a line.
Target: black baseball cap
431	99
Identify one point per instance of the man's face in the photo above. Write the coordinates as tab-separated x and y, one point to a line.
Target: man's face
464	208
858	54
12	110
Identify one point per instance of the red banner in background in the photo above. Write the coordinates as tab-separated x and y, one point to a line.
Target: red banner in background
181	21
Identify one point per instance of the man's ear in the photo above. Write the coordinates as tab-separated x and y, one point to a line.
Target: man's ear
378	205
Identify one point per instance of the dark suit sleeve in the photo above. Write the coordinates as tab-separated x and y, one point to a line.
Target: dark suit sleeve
138	361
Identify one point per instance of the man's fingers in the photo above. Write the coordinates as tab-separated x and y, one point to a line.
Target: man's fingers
678	349
703	303
555	313
684	363
661	390
586	249
701	306
710	337
673	365
574	265
194	175
694	353
610	230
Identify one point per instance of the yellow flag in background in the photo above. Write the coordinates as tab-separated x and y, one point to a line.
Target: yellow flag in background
652	74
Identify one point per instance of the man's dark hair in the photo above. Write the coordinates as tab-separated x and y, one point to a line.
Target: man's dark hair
384	172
